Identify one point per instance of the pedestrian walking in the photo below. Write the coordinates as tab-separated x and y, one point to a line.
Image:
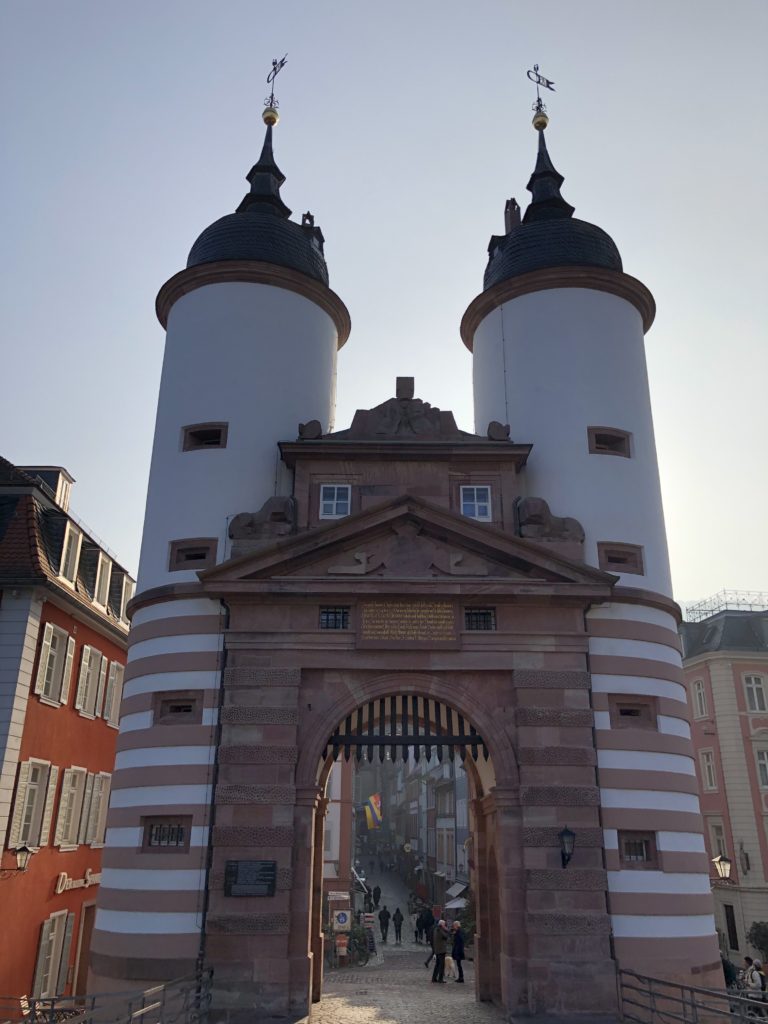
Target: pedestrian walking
440	948
376	896
457	951
384	916
397	921
413	917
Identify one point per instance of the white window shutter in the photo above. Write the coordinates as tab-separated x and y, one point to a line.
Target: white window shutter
85	808
42	949
117	696
61	983
50	797
18	807
101	825
102	681
66	678
45	653
94	812
66	786
82	682
109	695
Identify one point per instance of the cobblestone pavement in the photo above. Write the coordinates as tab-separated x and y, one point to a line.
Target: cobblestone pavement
398	990
395	987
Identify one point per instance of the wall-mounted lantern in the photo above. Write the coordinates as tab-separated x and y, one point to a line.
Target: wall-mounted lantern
23	854
567	843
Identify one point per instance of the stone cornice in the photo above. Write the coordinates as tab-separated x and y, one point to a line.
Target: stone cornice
254	272
596	278
474	451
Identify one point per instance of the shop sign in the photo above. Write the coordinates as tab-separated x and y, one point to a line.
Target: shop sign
64	882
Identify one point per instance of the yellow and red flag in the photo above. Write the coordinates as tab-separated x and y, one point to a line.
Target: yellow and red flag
372	807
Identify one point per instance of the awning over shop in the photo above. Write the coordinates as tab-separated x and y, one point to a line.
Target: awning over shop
458	904
456	889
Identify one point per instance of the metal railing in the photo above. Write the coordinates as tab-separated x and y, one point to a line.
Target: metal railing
183	1001
644	1000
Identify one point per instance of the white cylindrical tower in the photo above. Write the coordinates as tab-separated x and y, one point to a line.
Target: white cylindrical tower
557	337
252	335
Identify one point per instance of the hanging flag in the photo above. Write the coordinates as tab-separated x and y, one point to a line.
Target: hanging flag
372	807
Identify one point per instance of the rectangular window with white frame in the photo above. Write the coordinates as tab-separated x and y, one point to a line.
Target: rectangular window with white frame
708	772
75	792
103	578
70	553
754	688
335	501
699	695
476	503
54	668
53	955
33	804
718	844
127	593
113	694
762	767
93	820
91	682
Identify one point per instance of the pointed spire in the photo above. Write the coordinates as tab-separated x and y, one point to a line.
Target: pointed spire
265	178
544	186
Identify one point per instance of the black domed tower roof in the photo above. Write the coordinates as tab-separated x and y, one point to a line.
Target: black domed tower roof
548	235
260	229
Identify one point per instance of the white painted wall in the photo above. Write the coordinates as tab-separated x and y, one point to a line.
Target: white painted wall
259	358
552	363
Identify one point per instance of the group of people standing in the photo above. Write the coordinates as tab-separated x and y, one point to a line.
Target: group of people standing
440	939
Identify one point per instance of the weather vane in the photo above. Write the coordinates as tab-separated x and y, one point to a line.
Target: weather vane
540	119
270	115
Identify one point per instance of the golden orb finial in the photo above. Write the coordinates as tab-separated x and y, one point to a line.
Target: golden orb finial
540	120
270	116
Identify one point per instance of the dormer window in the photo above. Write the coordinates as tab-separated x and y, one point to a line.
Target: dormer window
476	503
103	577
335	500
127	593
70	556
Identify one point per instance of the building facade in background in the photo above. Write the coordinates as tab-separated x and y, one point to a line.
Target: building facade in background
726	675
63	638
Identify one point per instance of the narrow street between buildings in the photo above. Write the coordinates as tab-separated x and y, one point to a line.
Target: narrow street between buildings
395	987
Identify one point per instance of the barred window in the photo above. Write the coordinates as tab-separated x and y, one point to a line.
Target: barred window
638	849
480	618
334	618
166	835
169	834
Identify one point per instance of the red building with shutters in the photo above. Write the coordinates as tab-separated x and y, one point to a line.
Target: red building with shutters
62	655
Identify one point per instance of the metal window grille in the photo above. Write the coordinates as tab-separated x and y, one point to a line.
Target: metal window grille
166	835
334	618
480	618
636	850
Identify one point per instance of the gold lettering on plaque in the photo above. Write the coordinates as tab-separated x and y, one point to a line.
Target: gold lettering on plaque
408	620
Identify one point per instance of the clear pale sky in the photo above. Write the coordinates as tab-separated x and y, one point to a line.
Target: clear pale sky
128	127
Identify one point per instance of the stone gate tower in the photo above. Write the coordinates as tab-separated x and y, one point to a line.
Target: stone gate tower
559	355
288	586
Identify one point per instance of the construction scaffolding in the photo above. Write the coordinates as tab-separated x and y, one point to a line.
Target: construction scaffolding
727	600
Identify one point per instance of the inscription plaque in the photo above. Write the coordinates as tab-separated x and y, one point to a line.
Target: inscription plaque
250	878
416	623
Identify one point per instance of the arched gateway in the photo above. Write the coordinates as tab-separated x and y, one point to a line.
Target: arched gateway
398	592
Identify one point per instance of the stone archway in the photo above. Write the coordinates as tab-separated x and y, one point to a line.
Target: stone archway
437	728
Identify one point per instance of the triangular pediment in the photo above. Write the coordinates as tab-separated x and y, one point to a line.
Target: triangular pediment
407	539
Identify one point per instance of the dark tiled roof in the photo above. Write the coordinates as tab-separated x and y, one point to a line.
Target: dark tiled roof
31	541
548	236
726	631
262	236
540	244
260	229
